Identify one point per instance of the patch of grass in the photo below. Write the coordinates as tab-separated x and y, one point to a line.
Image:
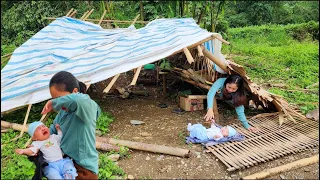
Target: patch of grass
270	54
104	121
108	169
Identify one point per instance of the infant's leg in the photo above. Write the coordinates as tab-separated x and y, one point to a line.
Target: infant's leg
69	171
51	172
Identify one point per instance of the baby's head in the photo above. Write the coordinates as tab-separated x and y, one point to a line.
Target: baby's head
38	131
228	131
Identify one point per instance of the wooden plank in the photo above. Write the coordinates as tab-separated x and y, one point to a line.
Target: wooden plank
107	89
135	77
104	13
69	12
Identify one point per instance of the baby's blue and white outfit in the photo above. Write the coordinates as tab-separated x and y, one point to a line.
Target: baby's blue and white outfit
200	132
58	167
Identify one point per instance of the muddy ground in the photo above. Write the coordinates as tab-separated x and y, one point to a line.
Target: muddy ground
162	127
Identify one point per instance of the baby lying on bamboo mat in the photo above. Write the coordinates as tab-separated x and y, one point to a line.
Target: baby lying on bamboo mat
214	135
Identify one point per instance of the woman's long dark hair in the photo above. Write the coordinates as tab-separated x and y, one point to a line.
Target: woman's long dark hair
238	97
65	81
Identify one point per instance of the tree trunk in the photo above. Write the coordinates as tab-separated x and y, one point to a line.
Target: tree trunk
194	6
212	22
141	11
181	7
202	13
186	8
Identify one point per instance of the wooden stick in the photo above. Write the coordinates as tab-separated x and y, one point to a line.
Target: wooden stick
24	124
88	15
220	39
104	13
284	168
107	89
188	55
69	12
135	77
130	144
72	14
135	19
200	53
106	20
84	15
6	55
215	109
210	56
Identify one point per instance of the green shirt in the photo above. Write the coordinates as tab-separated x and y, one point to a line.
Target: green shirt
78	125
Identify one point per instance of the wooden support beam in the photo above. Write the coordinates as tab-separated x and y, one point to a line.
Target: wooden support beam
210	56
106	20
24	124
69	12
107	89
294	165
6	56
88	15
135	77
73	13
104	13
84	15
188	55
220	39
215	110
135	19
200	53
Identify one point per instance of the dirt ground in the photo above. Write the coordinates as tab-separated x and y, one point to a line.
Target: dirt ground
162	127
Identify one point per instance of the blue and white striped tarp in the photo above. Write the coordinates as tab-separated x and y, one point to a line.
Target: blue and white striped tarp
89	52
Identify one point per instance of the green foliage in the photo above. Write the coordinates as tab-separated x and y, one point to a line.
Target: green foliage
272	54
14	166
104	121
108	169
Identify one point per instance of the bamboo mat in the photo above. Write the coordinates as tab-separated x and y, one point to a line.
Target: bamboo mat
269	143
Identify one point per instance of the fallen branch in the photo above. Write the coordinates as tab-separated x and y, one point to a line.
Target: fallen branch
284	168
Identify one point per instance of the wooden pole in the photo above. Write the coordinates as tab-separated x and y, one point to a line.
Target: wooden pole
135	77
210	56
188	55
107	89
6	55
220	39
88	15
104	13
200	53
69	12
135	19
104	143
215	109
294	165
82	17
24	123
106	20
72	14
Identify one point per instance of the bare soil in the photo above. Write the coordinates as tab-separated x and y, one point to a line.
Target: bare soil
163	127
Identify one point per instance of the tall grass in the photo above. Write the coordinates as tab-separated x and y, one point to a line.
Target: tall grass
280	54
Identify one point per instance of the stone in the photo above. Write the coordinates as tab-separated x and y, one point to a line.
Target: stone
147	158
240	173
282	176
160	157
233	175
98	133
114	157
136	122
130	176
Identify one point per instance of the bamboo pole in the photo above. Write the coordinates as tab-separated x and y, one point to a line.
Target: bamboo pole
73	13
188	55
200	53
215	109
69	12
210	56
84	15
106	20
104	143
88	15
24	124
6	55
150	147
135	19
107	89
104	13
135	77
284	168
220	39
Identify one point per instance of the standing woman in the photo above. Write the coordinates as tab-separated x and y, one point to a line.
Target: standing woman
231	90
77	117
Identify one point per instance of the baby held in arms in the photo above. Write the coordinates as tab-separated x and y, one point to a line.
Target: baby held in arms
213	133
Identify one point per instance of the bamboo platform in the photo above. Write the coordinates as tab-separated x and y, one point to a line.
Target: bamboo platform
271	142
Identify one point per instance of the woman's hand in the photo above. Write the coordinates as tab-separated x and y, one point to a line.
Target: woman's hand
47	108
209	116
253	129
